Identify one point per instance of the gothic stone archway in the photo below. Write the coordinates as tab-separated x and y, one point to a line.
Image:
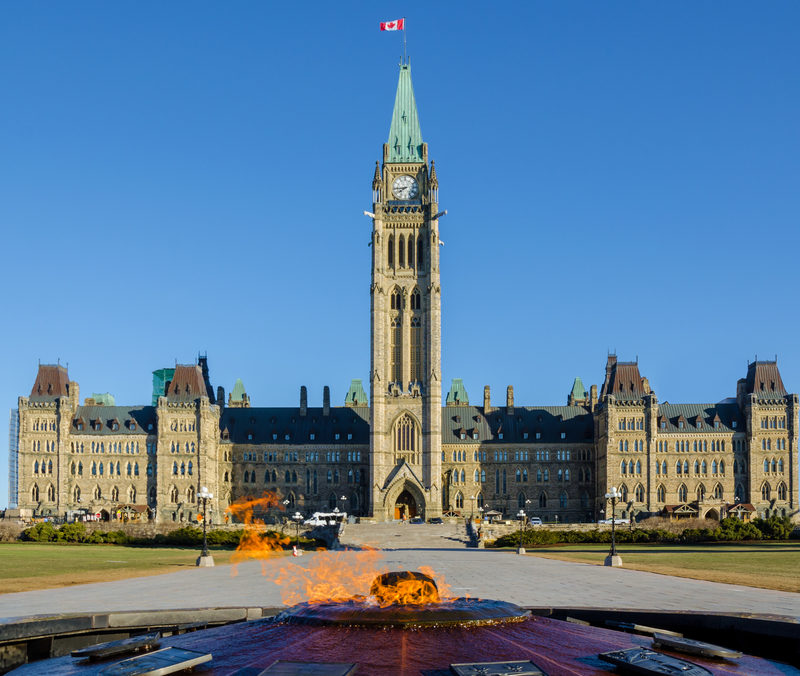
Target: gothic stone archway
404	497
405	507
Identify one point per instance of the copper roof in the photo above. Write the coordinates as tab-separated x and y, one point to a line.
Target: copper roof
187	383
51	381
764	380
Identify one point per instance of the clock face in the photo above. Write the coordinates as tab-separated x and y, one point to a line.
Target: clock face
405	188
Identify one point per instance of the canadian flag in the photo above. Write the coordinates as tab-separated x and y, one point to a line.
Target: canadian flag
392	25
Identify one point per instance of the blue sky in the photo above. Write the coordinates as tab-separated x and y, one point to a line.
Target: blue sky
189	177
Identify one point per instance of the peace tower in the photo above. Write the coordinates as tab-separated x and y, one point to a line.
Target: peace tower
405	322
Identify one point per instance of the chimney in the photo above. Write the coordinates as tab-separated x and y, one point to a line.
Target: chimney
592	397
303	400
326	400
487	404
221	396
510	400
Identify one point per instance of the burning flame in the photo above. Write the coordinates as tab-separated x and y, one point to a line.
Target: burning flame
329	576
340	576
255	542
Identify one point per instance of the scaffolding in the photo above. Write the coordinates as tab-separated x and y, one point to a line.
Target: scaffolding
13	458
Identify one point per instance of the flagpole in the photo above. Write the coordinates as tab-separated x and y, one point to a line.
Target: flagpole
405	55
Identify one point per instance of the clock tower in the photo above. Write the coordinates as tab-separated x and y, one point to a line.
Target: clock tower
405	323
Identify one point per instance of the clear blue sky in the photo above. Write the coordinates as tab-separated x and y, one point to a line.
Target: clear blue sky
190	176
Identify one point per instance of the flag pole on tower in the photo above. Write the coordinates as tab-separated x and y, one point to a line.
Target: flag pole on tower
397	25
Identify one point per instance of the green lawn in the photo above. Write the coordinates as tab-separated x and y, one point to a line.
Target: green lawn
39	565
771	565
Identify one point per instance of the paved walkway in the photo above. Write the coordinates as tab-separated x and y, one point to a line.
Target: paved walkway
525	580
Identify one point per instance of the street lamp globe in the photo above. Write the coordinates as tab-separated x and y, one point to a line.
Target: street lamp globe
205	559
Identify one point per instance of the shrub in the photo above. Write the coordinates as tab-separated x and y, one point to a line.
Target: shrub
41	532
72	532
775	527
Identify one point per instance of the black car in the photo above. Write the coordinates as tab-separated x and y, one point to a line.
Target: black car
436	519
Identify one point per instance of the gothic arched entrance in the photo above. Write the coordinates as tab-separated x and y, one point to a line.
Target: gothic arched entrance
405	506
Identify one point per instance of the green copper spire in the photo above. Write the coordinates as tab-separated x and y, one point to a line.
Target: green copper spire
578	390
238	390
457	396
405	137
356	396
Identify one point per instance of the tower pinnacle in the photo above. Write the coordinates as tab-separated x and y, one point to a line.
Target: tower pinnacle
405	137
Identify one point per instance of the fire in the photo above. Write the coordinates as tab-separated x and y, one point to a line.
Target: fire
255	542
340	576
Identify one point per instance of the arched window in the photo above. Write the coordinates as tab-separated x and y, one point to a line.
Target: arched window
525	476
623	492
173	495
401	251
697	467
714	467
546	474
518	476
685	466
332	501
623	467
774	466
781	491
275	476
80	468
131	494
639	493
722	467
542	500
416	347
704	467
390	252
682	493
739	493
396	349
406	444
638	466
420	252
411	251
459	500
287	477
562	500
98	494
463	477
701	492
36	467
190	494
678	467
477	476
76	494
115	494
521	501
661	493
129	469
136	469
483	476
175	468
246	478
336	476
766	464
718	492
189	468
51	493
100	467
183	469
766	491
780	465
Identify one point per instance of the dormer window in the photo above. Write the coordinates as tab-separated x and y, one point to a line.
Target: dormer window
538	435
274	436
349	436
475	434
132	425
733	424
563	435
287	436
336	436
698	424
149	427
524	435
716	424
680	425
225	434
249	436
312	436
663	424
499	435
463	435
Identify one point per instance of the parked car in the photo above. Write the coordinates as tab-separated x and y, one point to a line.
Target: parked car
608	521
437	520
535	521
417	520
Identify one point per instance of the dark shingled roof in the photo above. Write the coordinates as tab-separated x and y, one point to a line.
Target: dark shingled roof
141	415
623	380
262	423
550	421
727	412
764	380
51	381
187	383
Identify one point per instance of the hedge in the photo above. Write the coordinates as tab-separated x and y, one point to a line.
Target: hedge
729	530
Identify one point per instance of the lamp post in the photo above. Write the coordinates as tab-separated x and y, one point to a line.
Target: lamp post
613	559
343	499
472	498
521	517
298	517
205	560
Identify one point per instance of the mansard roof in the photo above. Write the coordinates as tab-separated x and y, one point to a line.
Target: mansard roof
262	423
764	380
457	394
356	396
623	380
51	381
550	421
105	415
578	390
405	137
726	413
187	383
238	392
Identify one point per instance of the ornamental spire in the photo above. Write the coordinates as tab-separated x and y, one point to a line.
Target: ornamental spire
405	137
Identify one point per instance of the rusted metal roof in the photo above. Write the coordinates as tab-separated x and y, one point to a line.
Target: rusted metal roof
51	381
764	380
187	383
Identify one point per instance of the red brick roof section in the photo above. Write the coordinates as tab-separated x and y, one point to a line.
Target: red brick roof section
623	380
763	377
51	381
187	384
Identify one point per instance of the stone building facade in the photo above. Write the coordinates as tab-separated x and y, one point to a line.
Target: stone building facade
400	451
